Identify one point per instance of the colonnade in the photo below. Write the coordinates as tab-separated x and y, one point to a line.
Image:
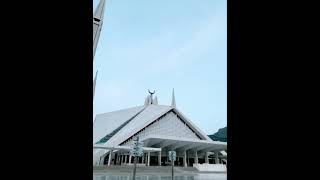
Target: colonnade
125	158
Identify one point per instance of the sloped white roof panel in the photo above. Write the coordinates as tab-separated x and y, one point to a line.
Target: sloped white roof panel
198	130
151	113
107	122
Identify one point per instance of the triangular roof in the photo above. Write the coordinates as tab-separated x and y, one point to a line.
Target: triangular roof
117	128
148	115
144	115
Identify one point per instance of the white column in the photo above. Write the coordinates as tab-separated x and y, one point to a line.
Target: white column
159	158
122	158
125	159
130	159
148	159
99	162
206	157
142	159
185	159
110	157
196	157
216	157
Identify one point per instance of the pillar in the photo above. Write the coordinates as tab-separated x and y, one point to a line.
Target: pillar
196	157
216	157
185	159
110	157
159	158
118	158
142	159
130	159
206	157
148	159
188	163
99	161
125	159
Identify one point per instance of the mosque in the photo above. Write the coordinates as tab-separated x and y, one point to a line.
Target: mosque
161	128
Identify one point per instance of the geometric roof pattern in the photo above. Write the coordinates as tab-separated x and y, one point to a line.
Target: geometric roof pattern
128	122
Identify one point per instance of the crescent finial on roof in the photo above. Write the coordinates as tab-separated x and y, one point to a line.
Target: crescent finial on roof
151	92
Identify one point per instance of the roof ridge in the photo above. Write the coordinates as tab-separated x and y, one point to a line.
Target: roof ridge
196	128
118	110
114	132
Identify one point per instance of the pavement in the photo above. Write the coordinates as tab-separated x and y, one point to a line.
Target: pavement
163	170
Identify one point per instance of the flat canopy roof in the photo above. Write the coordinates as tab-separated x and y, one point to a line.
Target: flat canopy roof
156	143
181	144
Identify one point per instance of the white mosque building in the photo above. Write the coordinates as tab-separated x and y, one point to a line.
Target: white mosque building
162	129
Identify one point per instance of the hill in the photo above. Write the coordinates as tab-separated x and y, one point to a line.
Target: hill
221	135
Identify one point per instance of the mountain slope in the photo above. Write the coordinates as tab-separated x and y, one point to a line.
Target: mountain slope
221	135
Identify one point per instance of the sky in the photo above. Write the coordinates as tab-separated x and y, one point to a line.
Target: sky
161	45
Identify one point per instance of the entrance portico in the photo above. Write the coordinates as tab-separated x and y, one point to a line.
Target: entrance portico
197	150
189	152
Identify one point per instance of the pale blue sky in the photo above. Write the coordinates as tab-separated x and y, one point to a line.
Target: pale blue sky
164	44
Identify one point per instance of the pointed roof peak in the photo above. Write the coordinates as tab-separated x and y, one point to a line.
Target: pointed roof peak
98	13
173	101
